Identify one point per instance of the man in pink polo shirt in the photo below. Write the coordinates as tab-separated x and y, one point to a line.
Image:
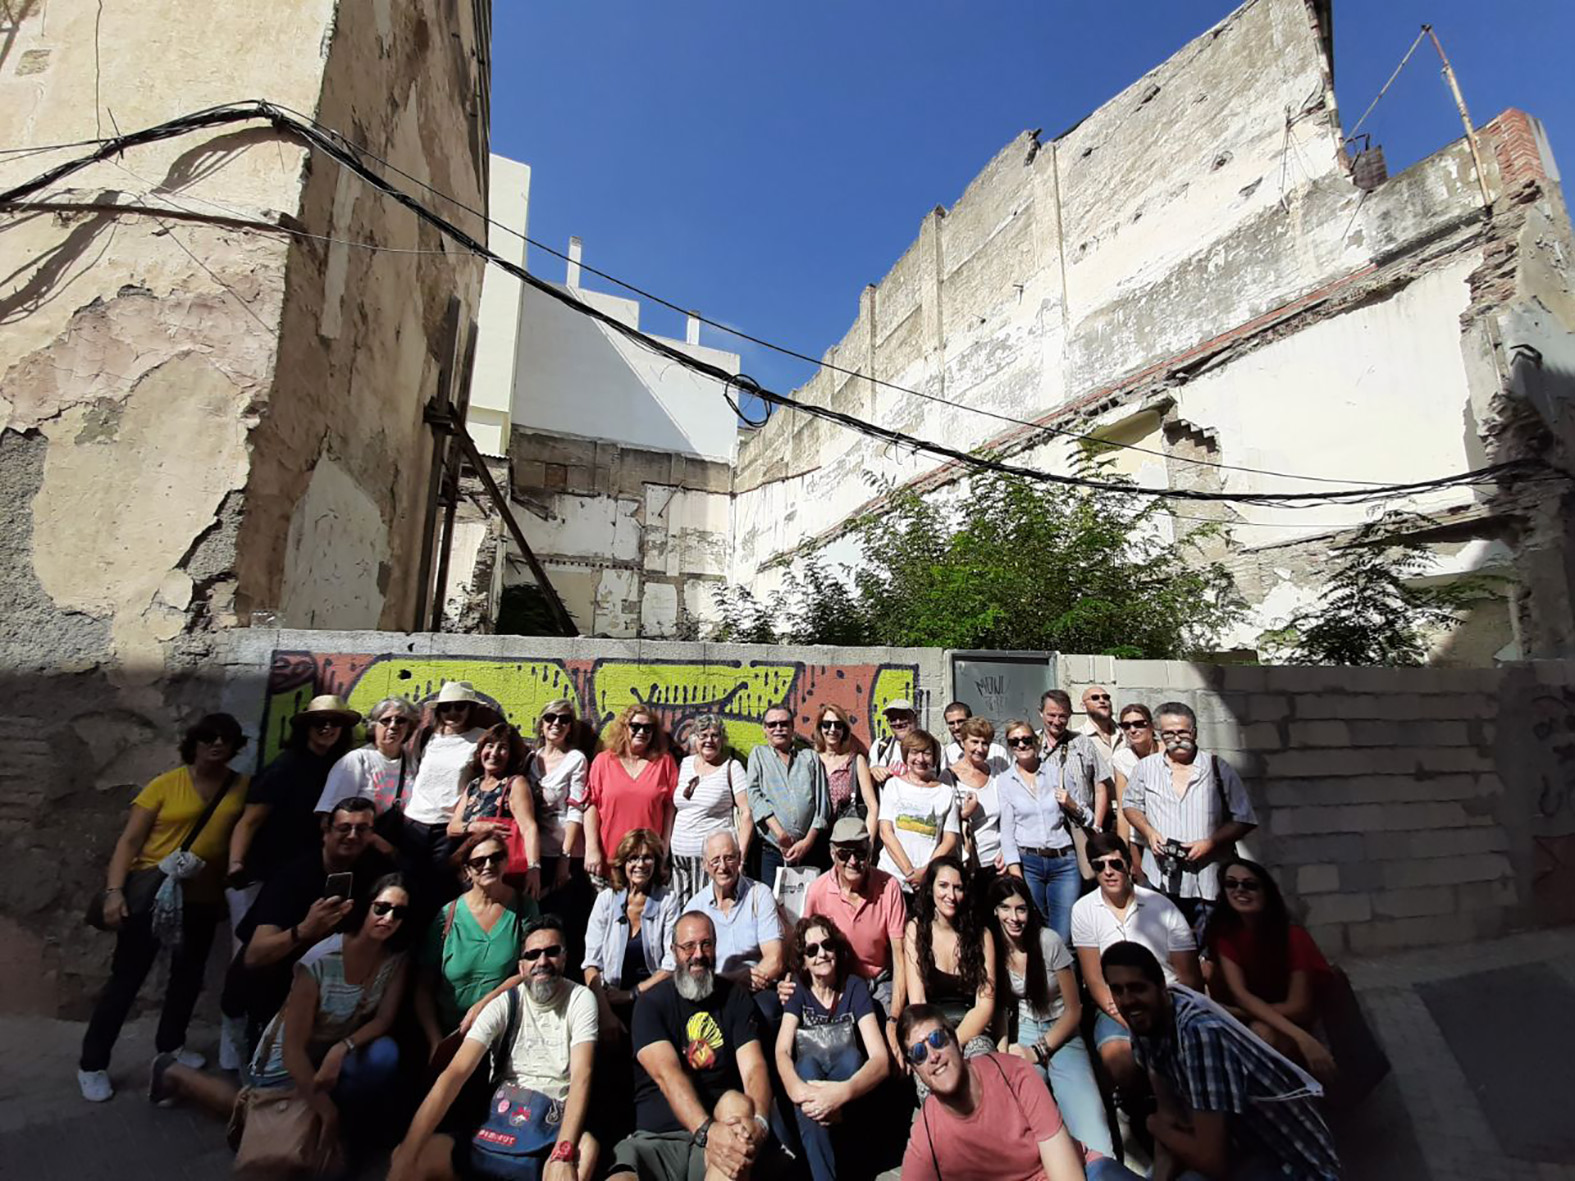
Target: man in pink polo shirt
866	905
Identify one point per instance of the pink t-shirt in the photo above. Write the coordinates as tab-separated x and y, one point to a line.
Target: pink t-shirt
869	926
622	803
999	1141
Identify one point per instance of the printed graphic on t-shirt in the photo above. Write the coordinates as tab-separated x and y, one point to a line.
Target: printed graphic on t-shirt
705	1039
927	825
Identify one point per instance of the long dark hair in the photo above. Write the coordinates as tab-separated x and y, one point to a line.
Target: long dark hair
1037	977
970	944
1274	928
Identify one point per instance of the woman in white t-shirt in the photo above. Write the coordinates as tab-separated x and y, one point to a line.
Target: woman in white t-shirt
556	772
710	792
444	748
382	771
979	804
918	813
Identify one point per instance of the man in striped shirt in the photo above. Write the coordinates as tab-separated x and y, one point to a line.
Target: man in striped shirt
1228	1105
1187	795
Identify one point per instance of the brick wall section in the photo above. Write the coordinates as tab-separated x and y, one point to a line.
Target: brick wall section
1392	808
1514	142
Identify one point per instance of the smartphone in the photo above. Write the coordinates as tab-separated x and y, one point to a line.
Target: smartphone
340	885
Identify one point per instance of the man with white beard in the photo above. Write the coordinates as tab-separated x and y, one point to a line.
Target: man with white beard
553	1051
701	1091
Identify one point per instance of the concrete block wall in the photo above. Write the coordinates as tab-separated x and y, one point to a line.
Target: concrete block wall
1398	807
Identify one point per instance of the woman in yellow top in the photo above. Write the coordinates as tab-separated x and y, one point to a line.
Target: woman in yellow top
163	815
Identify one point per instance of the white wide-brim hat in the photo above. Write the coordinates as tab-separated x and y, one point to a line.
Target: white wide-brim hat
456	691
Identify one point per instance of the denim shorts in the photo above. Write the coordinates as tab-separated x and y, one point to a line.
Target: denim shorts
1108	1029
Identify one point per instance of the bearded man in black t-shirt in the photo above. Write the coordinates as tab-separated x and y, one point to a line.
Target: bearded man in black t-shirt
702	1094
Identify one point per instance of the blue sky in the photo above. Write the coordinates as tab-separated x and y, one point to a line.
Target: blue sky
762	162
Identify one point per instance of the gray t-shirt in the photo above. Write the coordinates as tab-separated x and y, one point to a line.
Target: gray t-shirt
1056	957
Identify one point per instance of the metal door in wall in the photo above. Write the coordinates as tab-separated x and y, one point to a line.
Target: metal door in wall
1002	685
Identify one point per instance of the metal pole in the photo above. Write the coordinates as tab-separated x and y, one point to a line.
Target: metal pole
1465	116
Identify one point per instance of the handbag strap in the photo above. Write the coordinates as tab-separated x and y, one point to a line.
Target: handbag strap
448	920
207	812
503	1053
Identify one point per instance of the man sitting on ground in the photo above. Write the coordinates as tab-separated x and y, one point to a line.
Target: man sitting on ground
1229	1106
553	1052
702	1094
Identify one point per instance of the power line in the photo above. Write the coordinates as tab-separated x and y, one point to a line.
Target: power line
820	363
240	112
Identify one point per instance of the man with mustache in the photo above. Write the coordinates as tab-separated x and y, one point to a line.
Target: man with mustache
553	1053
1185	794
701	1091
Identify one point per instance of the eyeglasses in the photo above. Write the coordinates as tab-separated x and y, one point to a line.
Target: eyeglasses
392	722
695	945
725	859
832	727
531	954
486	859
347	830
1243	885
779	724
920	1050
851	853
1113	864
812	951
556	719
1175	733
396	909
642	727
1022	740
1137	725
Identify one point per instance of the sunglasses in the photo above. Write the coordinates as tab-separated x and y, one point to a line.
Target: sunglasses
689	788
642	727
1243	885
780	724
208	736
392	722
327	724
452	707
532	954
813	950
487	859
1113	864
920	1050
397	909
832	727
1022	741
556	719
1138	725
1099	697
846	854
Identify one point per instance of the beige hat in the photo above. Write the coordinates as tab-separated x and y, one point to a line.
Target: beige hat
898	704
850	830
331	705
457	691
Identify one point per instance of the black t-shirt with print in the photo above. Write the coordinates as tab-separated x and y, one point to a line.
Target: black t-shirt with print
706	1036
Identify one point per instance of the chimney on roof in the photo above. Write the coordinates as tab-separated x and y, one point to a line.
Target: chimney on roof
575	248
692	328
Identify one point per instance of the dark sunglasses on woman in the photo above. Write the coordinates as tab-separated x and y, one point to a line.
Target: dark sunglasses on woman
397	909
486	859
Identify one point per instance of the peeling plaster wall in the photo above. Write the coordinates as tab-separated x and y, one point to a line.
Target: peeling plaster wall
1189	269
172	432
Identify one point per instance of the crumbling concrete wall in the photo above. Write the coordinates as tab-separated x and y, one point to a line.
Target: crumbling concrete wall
1190	270
174	434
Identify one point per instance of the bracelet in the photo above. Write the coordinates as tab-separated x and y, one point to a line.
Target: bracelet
765	1124
566	1151
349	1044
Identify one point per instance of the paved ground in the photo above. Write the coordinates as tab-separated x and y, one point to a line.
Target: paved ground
1482	1040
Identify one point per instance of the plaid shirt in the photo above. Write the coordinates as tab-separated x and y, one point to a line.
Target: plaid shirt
1083	764
1216	1064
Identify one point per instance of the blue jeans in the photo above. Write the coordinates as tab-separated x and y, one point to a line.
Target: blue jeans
366	1080
1055	884
1071	1080
818	1139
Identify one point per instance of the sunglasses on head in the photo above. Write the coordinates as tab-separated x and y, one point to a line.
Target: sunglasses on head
1243	885
531	954
1140	724
1114	864
813	950
642	727
936	1040
397	909
486	859
556	719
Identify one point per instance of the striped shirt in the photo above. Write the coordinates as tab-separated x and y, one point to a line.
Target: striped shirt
1213	795
1217	1065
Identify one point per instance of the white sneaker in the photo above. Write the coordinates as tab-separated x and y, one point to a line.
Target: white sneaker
95	1085
232	1036
190	1059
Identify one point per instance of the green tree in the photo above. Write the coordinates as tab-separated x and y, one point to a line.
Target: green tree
1019	564
1373	611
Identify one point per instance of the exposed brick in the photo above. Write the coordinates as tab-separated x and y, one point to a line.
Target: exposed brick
1446	871
1317	879
1338	908
1414	903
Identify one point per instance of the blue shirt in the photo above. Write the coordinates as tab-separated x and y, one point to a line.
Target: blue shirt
795	792
752	921
607	937
1035	818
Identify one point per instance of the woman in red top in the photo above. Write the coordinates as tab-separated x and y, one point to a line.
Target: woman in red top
630	785
1267	969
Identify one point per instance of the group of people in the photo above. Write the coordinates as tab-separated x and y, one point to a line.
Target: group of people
1007	954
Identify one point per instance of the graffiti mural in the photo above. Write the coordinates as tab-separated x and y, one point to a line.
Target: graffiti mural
677	691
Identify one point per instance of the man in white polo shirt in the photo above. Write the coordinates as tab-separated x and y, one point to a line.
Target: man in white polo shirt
1122	912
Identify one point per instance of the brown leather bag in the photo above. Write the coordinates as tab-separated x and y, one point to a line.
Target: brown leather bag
275	1133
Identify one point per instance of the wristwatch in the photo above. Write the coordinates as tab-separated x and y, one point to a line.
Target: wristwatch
701	1134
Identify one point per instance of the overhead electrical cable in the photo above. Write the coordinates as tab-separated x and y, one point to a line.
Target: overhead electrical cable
350	159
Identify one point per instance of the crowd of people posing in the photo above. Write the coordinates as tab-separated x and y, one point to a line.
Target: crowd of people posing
497	957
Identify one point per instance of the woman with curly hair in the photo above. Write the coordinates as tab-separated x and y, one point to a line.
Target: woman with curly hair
847	771
630	786
497	797
950	961
630	928
830	1048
